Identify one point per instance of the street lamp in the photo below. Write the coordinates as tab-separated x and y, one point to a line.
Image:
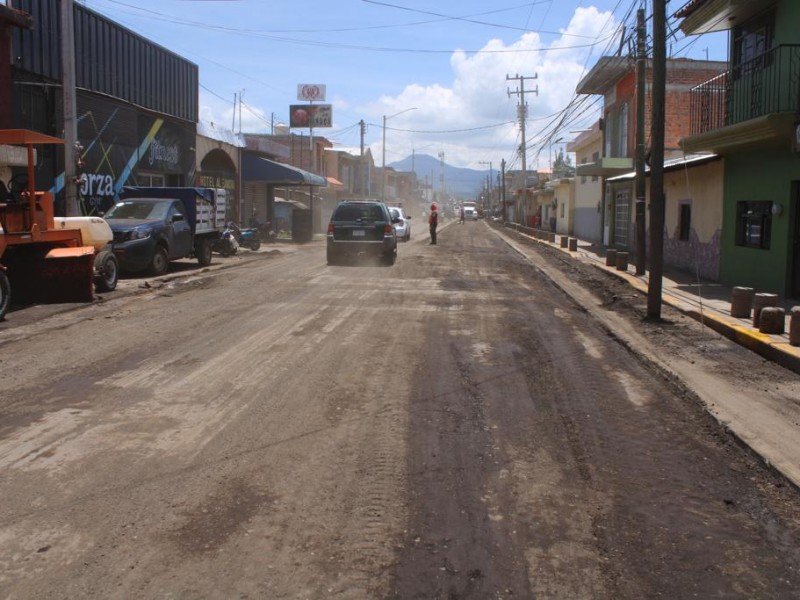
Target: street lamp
383	151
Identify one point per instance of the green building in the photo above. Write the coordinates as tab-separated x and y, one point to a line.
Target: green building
751	116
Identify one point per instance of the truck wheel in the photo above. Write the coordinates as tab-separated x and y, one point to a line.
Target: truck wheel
5	295
106	270
160	261
203	253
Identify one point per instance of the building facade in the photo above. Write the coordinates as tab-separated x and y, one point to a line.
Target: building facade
137	104
615	79
749	115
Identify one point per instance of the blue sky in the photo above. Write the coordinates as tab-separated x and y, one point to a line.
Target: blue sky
447	60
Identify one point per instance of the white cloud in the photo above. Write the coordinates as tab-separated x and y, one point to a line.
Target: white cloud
478	95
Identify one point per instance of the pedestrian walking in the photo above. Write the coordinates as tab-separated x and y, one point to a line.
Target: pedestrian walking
433	222
461	216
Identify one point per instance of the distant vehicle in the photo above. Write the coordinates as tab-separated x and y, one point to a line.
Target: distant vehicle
403	227
470	211
361	228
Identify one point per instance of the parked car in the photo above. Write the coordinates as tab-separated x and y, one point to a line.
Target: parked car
154	225
403	227
361	228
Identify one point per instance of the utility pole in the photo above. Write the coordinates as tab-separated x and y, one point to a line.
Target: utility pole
522	114
503	186
70	108
641	205
654	288
441	177
363	129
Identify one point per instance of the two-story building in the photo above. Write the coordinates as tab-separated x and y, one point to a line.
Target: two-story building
614	77
750	114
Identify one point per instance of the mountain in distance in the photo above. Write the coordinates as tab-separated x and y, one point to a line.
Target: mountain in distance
458	181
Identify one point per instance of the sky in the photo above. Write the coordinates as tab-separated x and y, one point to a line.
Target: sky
442	73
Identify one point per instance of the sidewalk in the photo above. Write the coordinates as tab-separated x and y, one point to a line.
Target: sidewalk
704	301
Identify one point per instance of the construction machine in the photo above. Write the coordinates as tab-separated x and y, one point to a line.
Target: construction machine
44	258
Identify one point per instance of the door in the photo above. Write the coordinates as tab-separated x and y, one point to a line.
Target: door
181	231
795	241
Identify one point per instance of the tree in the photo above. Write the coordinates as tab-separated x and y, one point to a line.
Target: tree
563	165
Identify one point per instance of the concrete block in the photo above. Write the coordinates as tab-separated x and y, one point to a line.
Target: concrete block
611	257
761	301
564	240
573	244
622	261
794	326
742	302
772	320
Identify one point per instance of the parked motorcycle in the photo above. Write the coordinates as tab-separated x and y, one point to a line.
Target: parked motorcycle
247	237
226	244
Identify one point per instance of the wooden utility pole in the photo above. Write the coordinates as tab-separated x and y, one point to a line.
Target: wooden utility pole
70	107
654	288
641	213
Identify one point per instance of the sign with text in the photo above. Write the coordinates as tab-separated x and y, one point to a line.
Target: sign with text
310	115
311	92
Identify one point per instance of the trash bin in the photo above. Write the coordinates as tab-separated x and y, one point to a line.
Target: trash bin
301	226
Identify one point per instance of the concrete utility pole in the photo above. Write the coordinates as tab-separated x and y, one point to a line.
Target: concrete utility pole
654	288
441	177
503	186
70	107
641	205
522	114
363	128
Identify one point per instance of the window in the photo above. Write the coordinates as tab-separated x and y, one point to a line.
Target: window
754	224
563	207
685	222
595	159
150	179
751	41
583	177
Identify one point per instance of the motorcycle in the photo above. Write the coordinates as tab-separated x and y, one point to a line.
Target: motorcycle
247	237
226	244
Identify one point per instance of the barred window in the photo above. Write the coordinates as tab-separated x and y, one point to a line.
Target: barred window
754	224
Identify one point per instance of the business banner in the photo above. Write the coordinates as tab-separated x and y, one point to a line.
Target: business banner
310	115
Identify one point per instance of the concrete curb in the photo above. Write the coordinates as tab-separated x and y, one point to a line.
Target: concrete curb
779	352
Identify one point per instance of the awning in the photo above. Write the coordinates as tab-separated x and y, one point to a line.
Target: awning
256	168
335	183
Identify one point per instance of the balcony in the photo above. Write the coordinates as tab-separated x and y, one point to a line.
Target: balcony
754	101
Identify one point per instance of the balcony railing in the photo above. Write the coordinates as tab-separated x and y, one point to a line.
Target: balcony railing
768	84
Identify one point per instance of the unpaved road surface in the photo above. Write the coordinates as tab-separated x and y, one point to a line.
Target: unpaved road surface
455	426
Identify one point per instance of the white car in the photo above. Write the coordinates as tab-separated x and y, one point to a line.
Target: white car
470	212
403	227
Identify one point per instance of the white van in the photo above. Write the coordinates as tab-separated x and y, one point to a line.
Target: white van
470	211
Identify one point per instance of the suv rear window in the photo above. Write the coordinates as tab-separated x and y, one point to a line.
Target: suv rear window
355	212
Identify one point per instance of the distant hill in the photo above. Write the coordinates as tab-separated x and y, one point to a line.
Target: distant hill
458	181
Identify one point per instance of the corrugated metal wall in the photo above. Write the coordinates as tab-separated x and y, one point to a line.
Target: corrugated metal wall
109	59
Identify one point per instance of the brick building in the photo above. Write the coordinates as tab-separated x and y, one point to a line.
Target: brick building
614	77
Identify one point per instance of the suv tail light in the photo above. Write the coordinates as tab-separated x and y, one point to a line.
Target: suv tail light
330	228
387	229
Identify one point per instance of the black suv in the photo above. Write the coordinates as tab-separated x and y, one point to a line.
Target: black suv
361	228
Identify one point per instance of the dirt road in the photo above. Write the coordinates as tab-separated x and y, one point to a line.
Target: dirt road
454	426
